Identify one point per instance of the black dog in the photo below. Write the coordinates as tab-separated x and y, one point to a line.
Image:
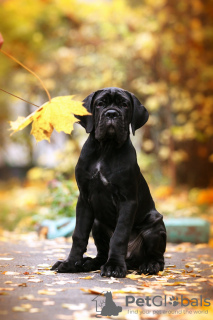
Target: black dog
115	201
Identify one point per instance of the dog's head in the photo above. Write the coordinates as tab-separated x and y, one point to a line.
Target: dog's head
113	110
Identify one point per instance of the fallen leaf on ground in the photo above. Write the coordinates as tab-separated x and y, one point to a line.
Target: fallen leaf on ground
48	303
201	280
134	276
170	266
4	293
18	309
134	290
67	317
176	271
22	284
86	278
95	290
207	262
7	289
47	273
27	297
189	265
44	266
34	310
26	305
201	245
176	283
18	284
56	289
111	280
10	273
47	292
25	308
35	280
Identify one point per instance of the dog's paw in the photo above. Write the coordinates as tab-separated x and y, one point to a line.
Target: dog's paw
152	267
93	264
113	270
67	266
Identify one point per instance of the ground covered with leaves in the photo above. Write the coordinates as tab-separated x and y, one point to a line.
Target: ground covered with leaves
29	289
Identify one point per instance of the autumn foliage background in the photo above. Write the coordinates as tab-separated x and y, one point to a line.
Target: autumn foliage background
160	50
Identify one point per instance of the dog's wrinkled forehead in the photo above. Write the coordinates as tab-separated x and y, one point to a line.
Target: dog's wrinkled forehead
112	95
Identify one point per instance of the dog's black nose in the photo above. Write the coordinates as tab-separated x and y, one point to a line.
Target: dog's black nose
111	114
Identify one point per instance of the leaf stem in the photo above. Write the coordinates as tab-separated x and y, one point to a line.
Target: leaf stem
19	98
33	73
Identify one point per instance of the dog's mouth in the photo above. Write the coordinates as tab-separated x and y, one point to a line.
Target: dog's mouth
111	128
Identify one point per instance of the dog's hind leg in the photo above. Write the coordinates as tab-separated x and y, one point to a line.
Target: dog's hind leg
102	236
154	244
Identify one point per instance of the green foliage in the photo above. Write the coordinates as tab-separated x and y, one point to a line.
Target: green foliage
59	201
63	198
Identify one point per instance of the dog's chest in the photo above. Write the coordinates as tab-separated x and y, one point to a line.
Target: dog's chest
102	188
99	174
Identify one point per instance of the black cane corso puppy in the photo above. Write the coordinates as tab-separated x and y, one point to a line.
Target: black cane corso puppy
114	201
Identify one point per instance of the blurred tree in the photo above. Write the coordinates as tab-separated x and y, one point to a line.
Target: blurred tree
160	50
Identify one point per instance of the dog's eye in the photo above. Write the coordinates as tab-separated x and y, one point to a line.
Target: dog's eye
100	104
124	105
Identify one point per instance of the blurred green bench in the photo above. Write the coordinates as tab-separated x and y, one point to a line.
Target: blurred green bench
193	230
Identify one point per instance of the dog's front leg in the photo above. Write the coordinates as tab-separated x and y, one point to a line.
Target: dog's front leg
84	222
115	265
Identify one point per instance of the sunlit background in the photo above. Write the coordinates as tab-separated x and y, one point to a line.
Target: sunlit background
160	50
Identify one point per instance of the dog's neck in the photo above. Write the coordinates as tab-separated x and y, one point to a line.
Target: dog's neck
109	144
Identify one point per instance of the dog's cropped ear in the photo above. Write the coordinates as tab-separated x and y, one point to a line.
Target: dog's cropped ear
139	114
87	121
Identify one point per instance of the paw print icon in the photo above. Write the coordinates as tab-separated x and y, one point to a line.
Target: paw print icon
174	301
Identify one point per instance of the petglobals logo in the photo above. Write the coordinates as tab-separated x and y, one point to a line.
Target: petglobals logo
106	307
163	301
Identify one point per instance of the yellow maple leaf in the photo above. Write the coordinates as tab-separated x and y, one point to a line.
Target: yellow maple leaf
134	276
57	114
